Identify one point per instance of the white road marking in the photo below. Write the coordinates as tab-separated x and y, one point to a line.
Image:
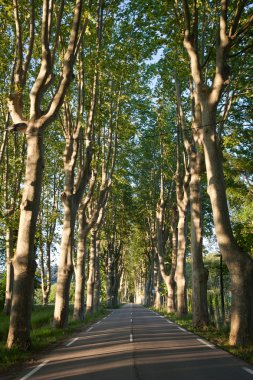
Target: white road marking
90	329
131	338
169	321
180	328
131	320
72	341
34	370
206	343
98	322
248	370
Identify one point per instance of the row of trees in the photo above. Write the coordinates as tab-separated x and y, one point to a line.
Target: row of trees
105	140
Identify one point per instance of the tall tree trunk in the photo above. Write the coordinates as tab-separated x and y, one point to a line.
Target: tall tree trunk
66	267
45	275
48	275
199	272
157	284
149	281
9	270
97	283
239	264
222	292
91	277
171	302
180	269
24	259
109	277
79	306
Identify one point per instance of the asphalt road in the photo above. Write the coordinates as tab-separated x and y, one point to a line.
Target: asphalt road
134	343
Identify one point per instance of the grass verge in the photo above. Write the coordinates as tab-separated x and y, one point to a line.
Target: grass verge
43	335
217	336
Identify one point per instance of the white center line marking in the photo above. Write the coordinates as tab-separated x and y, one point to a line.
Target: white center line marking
90	329
98	322
72	341
248	370
34	370
131	320
131	338
206	343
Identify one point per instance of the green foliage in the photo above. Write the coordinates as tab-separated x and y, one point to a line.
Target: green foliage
51	299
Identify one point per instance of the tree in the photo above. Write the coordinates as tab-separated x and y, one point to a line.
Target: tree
40	116
208	94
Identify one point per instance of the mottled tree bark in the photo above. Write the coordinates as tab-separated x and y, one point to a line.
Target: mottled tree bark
91	276
200	316
97	284
24	260
79	306
65	268
157	284
240	264
9	271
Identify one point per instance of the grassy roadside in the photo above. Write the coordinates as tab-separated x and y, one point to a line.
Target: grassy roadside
219	337
43	334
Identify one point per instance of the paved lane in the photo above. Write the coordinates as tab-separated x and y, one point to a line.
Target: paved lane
133	343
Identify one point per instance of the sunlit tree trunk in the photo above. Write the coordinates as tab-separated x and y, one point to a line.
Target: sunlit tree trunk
9	270
91	276
109	276
24	260
182	185
79	306
157	284
200	316
171	302
239	264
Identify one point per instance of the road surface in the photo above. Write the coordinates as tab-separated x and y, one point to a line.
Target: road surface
134	343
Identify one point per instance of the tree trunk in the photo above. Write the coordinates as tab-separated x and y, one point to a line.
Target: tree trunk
171	303
66	268
109	278
157	284
91	278
222	292
239	264
48	275
79	306
97	283
199	272
149	281
24	260
9	271
45	276
180	269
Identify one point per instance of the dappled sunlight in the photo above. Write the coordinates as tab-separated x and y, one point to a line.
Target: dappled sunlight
157	349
